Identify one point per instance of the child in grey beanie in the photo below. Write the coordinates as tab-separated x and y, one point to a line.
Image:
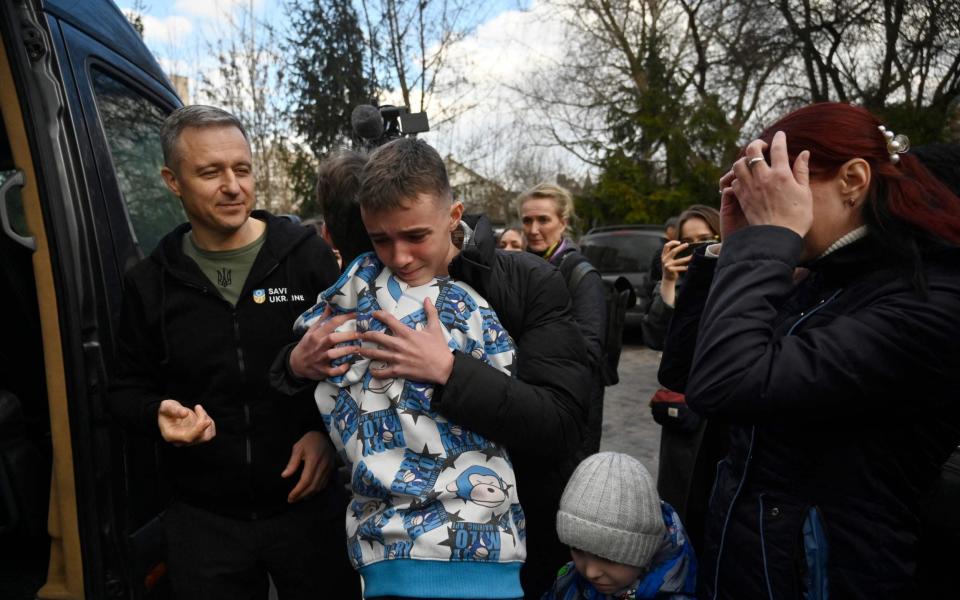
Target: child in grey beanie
625	542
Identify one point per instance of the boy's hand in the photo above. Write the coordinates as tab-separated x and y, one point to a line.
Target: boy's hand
419	355
312	356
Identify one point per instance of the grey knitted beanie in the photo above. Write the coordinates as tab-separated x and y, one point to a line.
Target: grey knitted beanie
610	508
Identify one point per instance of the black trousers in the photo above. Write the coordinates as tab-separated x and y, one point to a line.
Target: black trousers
302	549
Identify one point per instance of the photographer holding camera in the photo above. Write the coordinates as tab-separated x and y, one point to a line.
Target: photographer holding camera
689	445
699	225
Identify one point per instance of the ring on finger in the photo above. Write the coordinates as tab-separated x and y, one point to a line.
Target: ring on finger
753	161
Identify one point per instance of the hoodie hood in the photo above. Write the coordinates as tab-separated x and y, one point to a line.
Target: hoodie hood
282	237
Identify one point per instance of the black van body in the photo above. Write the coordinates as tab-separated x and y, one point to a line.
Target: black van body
82	201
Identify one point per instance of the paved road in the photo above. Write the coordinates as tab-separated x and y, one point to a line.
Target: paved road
627	425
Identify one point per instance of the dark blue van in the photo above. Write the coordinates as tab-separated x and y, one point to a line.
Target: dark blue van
82	101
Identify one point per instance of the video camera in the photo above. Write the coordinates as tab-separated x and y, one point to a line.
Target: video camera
376	126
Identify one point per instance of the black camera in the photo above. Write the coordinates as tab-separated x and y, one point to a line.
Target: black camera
375	126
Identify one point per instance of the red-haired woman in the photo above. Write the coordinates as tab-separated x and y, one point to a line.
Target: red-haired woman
840	379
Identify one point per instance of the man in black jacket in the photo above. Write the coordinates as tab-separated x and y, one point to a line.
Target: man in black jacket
202	319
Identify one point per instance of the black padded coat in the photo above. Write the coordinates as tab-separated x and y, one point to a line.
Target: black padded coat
540	415
842	394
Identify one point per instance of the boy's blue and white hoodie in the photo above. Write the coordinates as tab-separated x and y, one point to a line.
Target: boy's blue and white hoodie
434	510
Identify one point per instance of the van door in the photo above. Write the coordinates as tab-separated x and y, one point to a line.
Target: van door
123	110
39	524
90	120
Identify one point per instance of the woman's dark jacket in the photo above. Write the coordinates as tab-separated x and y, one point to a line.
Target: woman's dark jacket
540	414
180	339
589	299
842	394
689	448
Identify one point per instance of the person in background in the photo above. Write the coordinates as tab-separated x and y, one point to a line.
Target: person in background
671	228
937	575
625	542
670	232
511	239
690	446
546	211
338	181
698	224
320	227
336	193
839	380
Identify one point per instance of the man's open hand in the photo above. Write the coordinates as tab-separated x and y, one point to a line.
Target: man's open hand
182	426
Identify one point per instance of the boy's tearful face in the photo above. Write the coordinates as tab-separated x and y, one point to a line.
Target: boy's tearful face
414	240
607	576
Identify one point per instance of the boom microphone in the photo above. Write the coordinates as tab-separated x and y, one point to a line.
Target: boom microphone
366	122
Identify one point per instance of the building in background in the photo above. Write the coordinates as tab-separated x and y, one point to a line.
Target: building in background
181	83
479	194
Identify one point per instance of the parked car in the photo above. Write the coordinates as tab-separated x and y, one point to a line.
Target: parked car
81	200
626	251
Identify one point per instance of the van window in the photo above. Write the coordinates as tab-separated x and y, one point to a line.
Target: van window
132	126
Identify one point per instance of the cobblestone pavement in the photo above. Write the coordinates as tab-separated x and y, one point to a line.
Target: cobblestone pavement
627	424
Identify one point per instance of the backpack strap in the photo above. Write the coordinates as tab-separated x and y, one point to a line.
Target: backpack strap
576	274
579	272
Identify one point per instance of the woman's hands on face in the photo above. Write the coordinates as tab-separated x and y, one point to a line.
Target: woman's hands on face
773	194
732	218
673	266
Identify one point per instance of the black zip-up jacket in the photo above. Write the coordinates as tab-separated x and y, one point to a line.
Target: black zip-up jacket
540	415
180	339
842	394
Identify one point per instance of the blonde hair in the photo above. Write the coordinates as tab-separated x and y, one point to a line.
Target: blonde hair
549	191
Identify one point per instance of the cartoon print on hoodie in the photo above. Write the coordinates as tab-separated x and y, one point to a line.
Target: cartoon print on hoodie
379	431
495	337
423	520
457	440
415	400
418	473
455	305
473	541
425	490
480	485
346	414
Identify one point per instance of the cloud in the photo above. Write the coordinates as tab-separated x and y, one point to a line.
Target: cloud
507	48
501	55
211	9
167	30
